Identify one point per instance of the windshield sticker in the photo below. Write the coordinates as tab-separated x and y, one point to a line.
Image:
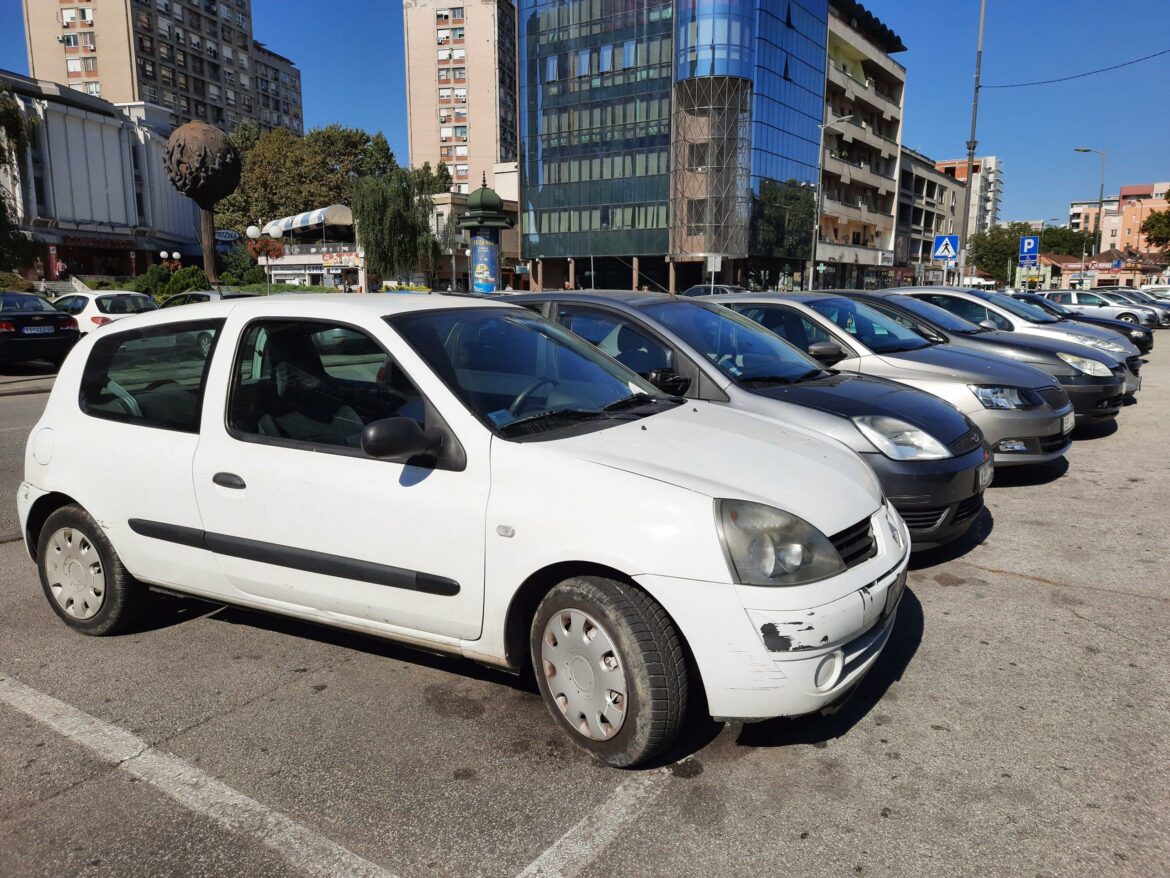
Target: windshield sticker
501	418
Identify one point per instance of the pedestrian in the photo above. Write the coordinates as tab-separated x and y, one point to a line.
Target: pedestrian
568	285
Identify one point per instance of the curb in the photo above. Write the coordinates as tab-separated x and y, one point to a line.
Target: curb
31	391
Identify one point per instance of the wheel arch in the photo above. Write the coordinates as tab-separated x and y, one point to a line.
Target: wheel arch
44	506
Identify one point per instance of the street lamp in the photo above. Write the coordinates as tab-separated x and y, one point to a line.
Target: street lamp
812	270
467	253
1100	209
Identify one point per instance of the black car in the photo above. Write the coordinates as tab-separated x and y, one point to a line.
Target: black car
1093	397
1139	336
32	329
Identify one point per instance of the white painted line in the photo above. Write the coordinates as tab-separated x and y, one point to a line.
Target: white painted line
302	848
581	845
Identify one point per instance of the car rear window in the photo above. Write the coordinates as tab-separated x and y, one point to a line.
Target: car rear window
125	304
24	303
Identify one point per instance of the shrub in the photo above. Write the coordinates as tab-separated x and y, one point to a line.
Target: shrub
254	275
15	283
153	282
189	278
229	280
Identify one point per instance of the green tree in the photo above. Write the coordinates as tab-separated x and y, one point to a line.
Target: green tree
393	216
17	250
189	278
1156	228
996	251
1063	241
436	181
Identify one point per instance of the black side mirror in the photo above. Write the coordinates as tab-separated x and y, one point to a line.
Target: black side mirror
826	352
988	324
398	439
669	381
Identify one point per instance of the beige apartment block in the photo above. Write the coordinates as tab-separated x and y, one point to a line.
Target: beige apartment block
197	58
1124	215
461	86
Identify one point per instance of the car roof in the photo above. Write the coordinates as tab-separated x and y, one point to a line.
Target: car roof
803	298
634	298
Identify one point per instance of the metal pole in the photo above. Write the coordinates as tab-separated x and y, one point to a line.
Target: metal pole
972	143
816	229
1101	206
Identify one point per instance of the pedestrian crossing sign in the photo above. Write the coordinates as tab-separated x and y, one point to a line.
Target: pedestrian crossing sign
945	247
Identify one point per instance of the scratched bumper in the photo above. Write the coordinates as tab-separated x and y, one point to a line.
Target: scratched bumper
768	652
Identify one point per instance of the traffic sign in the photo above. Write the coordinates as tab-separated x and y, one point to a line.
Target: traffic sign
1029	251
945	247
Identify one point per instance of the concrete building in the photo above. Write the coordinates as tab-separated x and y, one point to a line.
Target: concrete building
986	190
860	167
1124	215
929	203
197	58
93	188
461	86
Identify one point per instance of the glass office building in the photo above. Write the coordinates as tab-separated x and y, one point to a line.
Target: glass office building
654	134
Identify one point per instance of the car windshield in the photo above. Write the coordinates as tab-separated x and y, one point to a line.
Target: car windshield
741	348
127	304
872	328
1021	309
933	314
23	302
521	374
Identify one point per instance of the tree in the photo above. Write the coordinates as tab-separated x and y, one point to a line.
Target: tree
393	216
1063	241
996	251
17	250
436	181
1156	228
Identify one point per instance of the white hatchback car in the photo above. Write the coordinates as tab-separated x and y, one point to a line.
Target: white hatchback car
467	477
101	307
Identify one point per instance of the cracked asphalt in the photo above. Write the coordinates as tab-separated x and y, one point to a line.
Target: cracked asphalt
1017	724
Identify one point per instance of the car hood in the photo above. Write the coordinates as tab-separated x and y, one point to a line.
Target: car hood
1071	329
718	451
851	396
1050	344
945	362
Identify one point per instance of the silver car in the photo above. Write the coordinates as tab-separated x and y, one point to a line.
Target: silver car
1126	298
1023	413
1094	304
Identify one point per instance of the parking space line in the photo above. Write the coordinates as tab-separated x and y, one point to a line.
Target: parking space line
301	847
580	846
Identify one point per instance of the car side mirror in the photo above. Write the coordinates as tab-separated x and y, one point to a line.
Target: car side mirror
988	324
398	439
826	352
669	381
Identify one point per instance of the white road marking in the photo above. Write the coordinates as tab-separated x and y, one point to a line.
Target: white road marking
580	846
301	847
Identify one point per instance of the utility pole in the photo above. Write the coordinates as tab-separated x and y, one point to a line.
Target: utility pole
972	143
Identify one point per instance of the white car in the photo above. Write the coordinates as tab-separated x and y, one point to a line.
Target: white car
101	307
471	478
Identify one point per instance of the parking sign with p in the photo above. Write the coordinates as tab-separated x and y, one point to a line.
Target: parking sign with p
1029	250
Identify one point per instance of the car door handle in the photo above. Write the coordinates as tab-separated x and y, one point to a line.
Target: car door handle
228	480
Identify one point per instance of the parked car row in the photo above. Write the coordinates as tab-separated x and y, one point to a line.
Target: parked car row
650	501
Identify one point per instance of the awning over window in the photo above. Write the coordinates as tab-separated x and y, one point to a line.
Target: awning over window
334	215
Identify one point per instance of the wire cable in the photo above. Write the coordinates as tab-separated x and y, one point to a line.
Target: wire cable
1081	75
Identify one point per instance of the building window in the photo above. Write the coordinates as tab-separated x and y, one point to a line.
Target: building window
461	95
443	37
93	88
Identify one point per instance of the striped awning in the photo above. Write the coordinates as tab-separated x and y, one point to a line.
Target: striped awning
334	215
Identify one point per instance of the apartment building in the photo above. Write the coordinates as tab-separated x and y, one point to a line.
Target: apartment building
1124	214
862	150
197	58
461	86
986	187
929	203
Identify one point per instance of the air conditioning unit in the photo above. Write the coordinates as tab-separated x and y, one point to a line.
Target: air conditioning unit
60	39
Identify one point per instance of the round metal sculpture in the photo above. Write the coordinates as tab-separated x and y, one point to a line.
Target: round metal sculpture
205	166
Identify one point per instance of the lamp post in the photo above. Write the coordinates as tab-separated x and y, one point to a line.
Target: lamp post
812	269
972	145
254	233
1100	208
467	253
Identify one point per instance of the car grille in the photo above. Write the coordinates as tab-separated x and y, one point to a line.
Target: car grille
923	518
969	441
1054	396
1051	443
969	508
1134	363
855	544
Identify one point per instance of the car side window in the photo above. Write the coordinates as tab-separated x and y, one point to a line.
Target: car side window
151	377
792	326
174	301
968	310
622	339
71	304
316	383
1061	298
195	298
1090	299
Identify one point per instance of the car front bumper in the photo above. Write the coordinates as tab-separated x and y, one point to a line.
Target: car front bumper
760	651
1018	436
1094	398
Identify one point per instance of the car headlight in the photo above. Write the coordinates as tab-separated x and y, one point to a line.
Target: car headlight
1084	364
1136	334
898	440
1100	344
995	396
767	546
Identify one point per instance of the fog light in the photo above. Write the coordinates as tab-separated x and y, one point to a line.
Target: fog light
894	594
828	671
1011	445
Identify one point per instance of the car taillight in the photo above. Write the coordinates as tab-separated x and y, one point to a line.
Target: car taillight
7	326
101	321
68	323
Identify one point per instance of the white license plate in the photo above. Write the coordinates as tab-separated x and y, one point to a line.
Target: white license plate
1068	422
36	330
985	472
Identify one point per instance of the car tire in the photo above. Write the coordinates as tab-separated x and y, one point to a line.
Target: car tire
83	578
1127	318
611	668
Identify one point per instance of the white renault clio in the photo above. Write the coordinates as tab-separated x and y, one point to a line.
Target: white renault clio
468	477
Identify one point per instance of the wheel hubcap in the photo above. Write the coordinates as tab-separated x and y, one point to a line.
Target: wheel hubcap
584	674
75	574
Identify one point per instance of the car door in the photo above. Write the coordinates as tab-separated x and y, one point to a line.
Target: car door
800	330
976	312
301	519
1068	300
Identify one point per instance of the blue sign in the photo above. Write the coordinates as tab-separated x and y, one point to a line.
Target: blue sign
945	247
1118	263
485	261
1029	251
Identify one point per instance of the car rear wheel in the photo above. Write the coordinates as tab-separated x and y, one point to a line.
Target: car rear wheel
84	580
611	668
1127	318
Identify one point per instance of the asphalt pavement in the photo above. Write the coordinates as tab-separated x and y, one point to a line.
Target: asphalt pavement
1018	724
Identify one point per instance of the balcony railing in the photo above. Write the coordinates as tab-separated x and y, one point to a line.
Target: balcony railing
319	247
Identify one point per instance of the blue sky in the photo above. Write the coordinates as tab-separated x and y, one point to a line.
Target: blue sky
350	52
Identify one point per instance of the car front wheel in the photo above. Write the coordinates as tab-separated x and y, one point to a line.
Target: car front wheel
1127	318
82	576
611	668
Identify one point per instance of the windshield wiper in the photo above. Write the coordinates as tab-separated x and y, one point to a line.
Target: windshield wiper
637	399
767	379
554	415
811	373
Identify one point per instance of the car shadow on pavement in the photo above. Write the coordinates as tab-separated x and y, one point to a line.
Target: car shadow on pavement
1091	432
1030	475
29	369
977	533
819	728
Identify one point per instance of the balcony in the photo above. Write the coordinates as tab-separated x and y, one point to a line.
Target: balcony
854	130
855	89
318	248
853	254
858	173
861	213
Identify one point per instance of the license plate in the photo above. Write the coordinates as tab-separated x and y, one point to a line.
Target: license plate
984	475
1068	422
36	330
